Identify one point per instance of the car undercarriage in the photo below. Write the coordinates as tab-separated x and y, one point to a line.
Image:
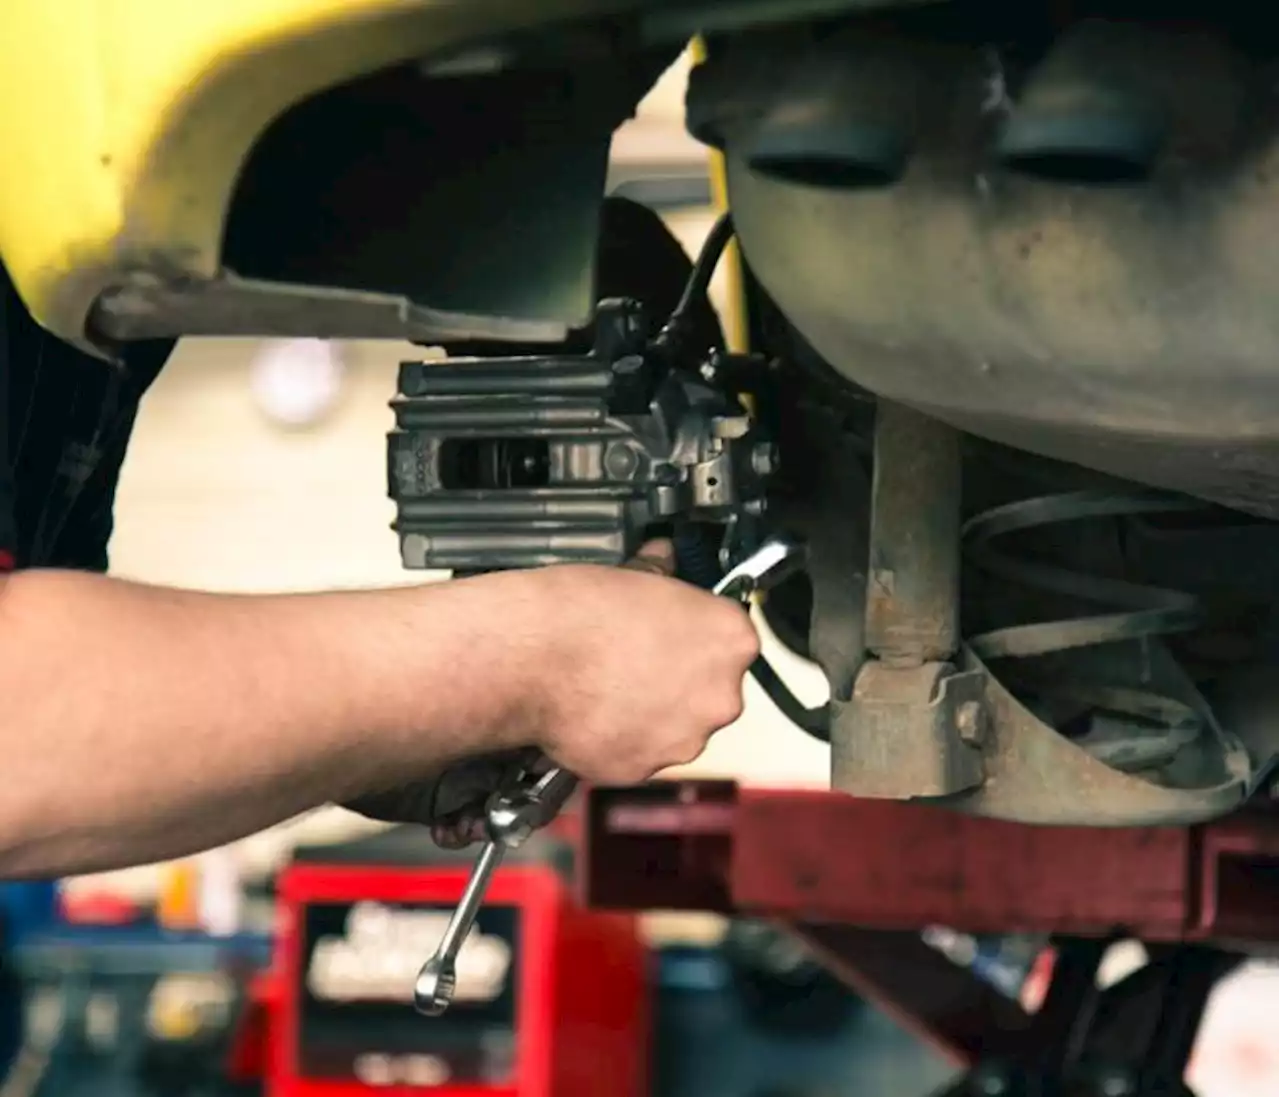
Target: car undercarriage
1006	290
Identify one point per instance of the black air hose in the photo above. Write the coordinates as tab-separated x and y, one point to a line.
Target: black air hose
678	336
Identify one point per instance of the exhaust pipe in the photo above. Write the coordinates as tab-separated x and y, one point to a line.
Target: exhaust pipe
1094	110
847	118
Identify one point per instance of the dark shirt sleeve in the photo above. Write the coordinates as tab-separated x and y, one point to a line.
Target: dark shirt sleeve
8	491
65	421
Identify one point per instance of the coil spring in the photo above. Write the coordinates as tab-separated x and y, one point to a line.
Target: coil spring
1135	612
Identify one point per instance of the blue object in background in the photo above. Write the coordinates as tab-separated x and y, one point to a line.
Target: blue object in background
27	907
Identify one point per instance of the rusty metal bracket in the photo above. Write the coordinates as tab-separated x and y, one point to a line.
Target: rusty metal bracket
920	731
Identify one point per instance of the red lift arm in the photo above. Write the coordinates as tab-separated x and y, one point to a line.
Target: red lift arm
825	863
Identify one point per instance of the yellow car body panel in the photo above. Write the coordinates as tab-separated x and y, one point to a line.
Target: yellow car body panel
124	123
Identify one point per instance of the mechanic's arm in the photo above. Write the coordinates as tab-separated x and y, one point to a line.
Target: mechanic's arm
140	723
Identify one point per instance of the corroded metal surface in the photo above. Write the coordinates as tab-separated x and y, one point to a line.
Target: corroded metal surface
1131	328
913	589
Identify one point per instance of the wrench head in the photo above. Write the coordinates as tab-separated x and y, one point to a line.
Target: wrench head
433	991
775	560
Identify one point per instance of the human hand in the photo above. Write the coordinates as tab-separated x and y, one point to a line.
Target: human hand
638	670
614	673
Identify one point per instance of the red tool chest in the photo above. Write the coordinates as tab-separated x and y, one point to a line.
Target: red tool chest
552	999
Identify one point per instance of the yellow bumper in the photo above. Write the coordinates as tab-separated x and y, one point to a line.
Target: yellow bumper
124	123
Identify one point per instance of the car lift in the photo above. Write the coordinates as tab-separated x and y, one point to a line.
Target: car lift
858	879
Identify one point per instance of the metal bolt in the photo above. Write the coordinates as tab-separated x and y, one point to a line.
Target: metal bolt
628	365
989	1082
754	507
1115	1084
620	461
764	458
969	722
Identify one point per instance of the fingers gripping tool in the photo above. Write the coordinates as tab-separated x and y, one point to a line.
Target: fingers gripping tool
514	813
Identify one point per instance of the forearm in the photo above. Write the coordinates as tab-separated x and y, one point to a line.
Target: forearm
142	723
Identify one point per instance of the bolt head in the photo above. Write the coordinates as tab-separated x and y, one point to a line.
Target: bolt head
989	1082
969	721
620	461
628	365
764	458
1115	1083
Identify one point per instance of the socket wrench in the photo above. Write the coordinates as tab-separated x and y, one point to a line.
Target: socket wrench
514	814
